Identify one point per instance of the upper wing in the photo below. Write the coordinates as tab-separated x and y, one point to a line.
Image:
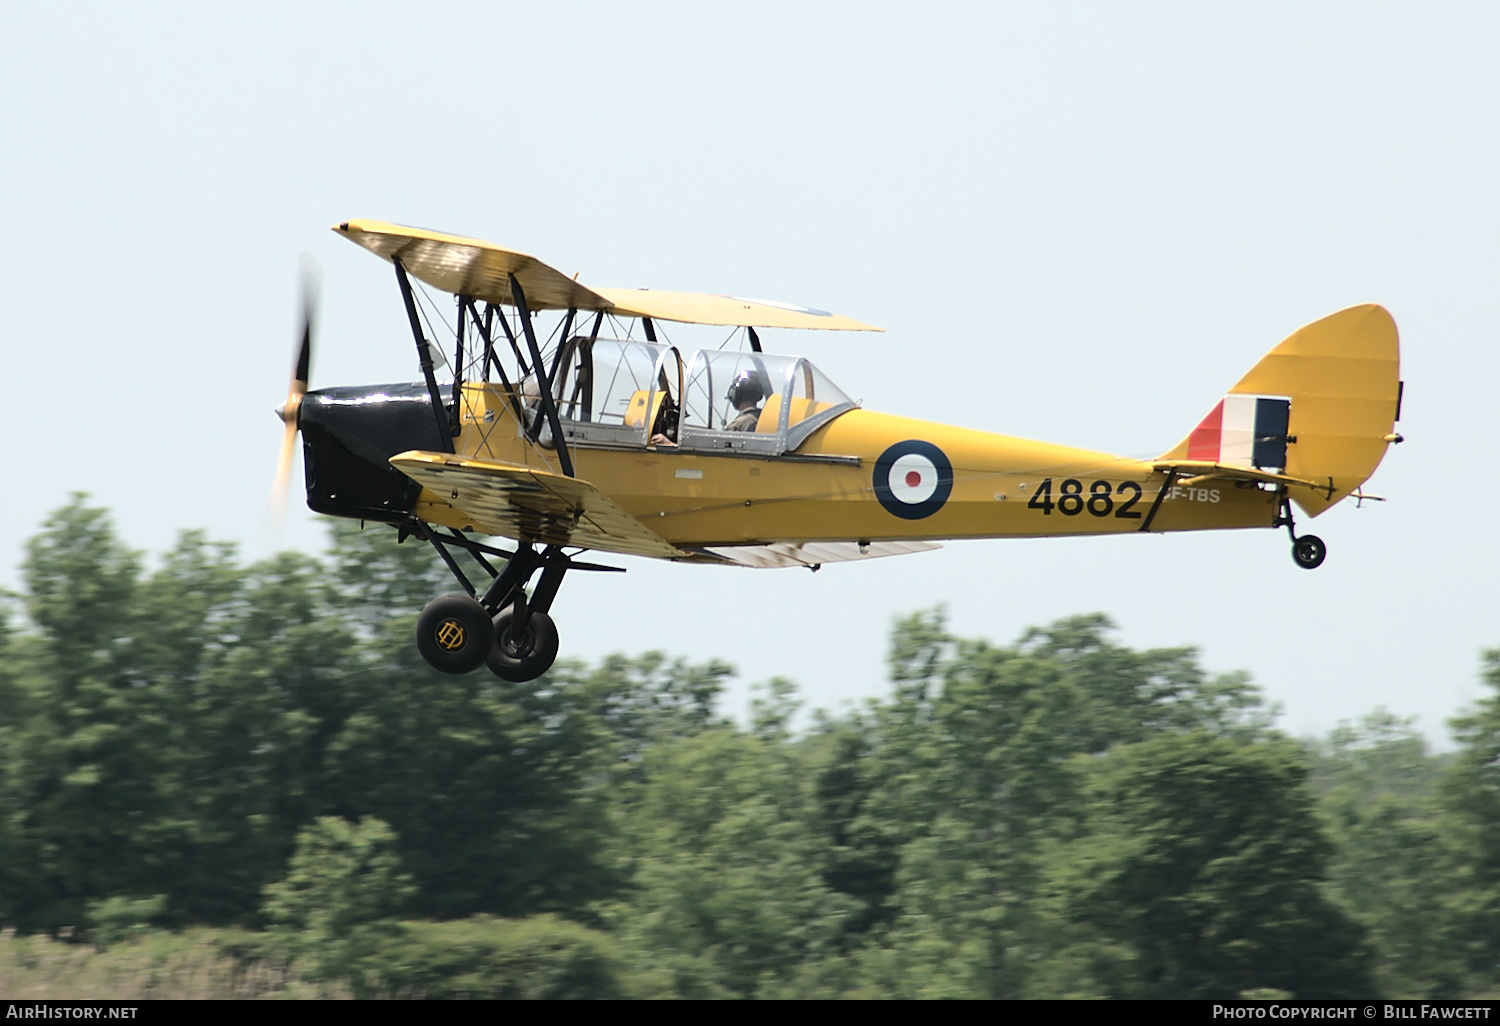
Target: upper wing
473	267
533	505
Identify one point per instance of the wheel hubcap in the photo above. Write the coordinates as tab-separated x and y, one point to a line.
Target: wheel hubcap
515	648
451	635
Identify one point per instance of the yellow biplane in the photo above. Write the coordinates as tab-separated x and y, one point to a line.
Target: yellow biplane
604	435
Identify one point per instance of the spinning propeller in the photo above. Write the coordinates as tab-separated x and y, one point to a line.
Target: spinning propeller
295	391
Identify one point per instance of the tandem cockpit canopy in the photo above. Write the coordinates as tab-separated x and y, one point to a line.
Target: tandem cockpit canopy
613	391
606	391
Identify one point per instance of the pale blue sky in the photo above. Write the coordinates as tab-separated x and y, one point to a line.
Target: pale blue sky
1077	222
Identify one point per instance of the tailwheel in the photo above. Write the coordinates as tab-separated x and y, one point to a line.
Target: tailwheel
1309	551
454	634
523	655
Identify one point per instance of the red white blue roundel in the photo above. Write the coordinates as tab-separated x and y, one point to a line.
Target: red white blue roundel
913	479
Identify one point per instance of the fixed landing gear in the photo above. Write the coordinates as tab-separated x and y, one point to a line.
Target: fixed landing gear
1308	550
502	628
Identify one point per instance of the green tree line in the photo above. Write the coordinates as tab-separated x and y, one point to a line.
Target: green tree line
259	752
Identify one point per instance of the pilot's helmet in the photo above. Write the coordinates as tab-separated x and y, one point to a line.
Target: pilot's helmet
747	385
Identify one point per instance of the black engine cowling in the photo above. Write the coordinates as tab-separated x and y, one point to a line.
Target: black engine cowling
349	435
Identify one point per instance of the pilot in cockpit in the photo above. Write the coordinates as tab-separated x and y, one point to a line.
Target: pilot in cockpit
745	395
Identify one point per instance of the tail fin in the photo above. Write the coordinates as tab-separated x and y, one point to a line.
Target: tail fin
1324	403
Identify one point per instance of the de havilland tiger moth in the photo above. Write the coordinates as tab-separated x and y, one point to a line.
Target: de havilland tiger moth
605	436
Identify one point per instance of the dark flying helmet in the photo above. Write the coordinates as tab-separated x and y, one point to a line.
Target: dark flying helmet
747	385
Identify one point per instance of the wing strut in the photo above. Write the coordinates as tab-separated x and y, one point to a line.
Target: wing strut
458	363
424	354
515	348
539	368
489	340
562	340
483	324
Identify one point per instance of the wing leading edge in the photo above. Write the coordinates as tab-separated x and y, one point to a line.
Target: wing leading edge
473	267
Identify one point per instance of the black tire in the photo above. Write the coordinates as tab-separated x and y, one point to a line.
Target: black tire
454	634
527	658
1309	551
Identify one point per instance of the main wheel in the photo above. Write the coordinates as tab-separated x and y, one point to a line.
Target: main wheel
1308	550
454	634
525	658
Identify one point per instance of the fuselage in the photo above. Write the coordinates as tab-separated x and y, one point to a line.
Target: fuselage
865	476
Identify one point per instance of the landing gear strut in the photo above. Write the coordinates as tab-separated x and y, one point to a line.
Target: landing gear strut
502	628
525	636
1308	550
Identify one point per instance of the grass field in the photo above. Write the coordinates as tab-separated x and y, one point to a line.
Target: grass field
156	965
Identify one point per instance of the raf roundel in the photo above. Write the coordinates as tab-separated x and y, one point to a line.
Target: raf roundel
913	479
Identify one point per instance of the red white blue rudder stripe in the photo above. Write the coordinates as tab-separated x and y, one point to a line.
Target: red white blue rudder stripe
1243	431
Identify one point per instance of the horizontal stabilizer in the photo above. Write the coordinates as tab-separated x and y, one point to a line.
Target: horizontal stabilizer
1191	472
532	505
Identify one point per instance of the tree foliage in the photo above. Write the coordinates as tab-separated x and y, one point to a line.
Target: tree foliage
339	900
192	742
1200	875
172	732
1471	791
1397	862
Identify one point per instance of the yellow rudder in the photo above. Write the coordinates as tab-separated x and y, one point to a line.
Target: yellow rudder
1341	376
